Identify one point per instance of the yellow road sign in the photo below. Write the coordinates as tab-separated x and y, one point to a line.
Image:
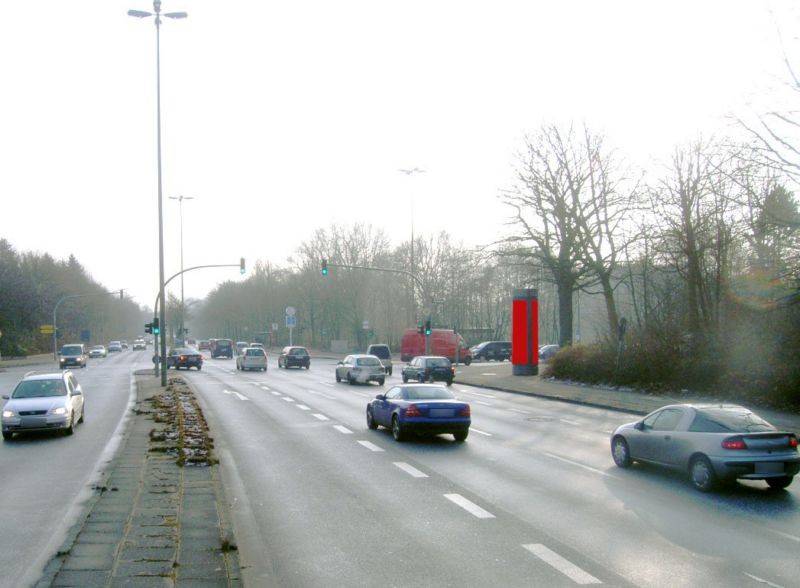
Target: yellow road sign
46	329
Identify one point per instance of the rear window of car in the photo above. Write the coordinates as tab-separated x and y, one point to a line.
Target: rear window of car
368	361
299	352
255	353
224	343
438	362
381	351
427	393
728	420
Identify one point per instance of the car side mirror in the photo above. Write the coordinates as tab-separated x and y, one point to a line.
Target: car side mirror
77	391
639	426
6	397
340	363
378	397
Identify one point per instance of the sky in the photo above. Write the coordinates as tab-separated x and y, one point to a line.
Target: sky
279	118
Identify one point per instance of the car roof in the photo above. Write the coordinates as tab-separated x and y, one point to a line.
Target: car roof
431	357
45	376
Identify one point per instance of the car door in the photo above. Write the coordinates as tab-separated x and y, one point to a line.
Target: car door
655	439
75	395
383	407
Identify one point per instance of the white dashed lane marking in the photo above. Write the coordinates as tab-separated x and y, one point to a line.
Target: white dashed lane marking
469	506
303	407
410	470
287	399
370	446
564	566
321	417
239	396
343	429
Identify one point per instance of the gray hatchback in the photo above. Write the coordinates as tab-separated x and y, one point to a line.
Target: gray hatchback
43	402
714	443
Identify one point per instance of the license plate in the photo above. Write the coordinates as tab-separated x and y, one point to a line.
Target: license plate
441	412
772	467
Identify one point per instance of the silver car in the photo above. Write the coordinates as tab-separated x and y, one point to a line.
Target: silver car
360	368
714	443
43	402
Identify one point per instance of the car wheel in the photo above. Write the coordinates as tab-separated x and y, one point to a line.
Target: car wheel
381	381
449	382
621	452
338	379
350	379
371	424
702	475
461	436
779	483
199	368
397	430
467	360
405	379
71	429
83	414
7	436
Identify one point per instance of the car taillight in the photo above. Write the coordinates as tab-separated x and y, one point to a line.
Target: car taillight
793	441
413	411
734	443
182	358
464	412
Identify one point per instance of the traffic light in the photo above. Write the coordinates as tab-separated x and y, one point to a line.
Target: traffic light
121	297
428	328
148	327
156	329
241	265
324	267
421	330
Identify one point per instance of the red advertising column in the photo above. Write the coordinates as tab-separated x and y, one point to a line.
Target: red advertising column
525	332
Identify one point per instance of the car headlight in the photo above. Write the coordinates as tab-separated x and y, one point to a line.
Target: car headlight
8	414
58	410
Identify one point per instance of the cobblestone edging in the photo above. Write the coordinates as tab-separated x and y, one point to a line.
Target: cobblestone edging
159	518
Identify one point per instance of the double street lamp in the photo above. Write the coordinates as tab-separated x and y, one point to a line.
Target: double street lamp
157	14
180	200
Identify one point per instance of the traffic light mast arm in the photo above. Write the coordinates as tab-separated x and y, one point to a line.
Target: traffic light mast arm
382	269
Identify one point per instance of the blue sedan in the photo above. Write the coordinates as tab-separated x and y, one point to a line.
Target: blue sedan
428	409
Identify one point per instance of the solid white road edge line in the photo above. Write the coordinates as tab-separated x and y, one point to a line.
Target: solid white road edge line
762	580
564	566
469	506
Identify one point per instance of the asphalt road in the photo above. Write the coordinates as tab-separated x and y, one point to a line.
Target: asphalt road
47	478
531	498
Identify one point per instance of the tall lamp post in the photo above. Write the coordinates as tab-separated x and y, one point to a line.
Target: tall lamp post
157	14
180	200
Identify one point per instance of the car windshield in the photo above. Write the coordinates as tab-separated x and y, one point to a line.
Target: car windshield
71	350
427	393
98	347
368	361
728	420
39	388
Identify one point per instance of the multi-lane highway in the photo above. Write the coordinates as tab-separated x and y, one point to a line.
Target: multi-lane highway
532	497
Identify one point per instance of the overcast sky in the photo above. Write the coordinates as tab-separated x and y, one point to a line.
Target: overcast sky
282	117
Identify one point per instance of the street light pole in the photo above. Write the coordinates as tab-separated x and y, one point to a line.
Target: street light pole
180	200
162	314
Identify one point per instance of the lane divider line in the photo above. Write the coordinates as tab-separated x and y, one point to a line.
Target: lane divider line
287	399
469	506
566	567
370	446
410	470
302	407
321	417
343	429
479	432
239	396
575	463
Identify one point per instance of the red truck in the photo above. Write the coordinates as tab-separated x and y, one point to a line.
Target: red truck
443	342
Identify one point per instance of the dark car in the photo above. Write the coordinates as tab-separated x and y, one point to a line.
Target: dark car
428	409
184	357
429	368
294	356
713	443
382	352
72	355
492	350
222	348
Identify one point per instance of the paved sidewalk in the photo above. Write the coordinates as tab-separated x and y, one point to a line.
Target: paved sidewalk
152	522
497	375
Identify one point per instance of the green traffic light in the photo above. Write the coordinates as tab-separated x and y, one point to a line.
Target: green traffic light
324	267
